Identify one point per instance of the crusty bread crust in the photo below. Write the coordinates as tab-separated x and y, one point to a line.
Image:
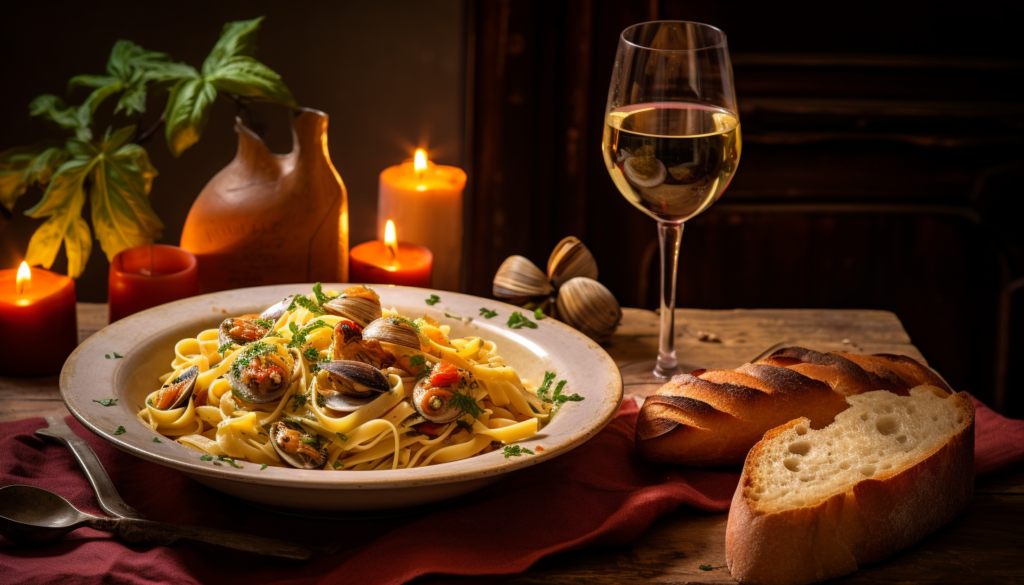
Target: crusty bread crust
713	418
867	523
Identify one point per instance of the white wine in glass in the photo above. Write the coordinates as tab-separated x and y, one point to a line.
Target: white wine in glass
671	139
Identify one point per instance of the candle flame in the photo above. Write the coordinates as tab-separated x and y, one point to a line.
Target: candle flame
23	278
390	239
420	160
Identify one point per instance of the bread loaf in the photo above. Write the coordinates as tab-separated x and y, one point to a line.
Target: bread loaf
713	417
813	505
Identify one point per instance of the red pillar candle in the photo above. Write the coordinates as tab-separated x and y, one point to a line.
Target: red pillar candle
148	276
391	262
38	327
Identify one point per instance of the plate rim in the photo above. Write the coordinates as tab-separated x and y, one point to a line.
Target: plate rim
316	479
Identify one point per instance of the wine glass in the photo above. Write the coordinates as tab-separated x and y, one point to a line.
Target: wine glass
671	139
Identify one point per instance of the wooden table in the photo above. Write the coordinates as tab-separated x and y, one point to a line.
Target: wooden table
985	544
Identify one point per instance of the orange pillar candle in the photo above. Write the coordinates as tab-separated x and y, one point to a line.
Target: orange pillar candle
391	262
38	327
148	276
425	202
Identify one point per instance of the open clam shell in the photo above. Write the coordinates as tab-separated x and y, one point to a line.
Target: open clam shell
297	447
346	386
434	404
241	330
394	331
518	280
571	258
360	310
273	386
178	390
277	309
589	307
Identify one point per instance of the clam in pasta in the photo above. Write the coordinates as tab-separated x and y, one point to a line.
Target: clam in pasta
336	382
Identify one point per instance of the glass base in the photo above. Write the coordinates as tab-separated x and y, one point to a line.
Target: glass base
646	372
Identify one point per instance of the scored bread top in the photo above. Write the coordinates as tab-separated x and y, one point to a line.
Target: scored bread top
880	435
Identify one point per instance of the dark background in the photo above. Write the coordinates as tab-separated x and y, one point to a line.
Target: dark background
882	161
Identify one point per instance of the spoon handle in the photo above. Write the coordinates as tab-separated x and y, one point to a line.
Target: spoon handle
148	532
106	494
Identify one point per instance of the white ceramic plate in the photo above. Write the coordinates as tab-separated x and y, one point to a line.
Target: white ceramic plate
146	340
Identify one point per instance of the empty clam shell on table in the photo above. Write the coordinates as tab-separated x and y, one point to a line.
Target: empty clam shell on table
571	258
518	280
589	307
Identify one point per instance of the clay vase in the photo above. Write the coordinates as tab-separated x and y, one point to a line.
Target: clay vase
272	219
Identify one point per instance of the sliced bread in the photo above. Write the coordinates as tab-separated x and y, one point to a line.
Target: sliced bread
813	504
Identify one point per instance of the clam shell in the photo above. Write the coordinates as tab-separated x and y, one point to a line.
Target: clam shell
360	310
419	394
390	330
345	399
589	307
296	460
571	258
518	280
188	381
242	391
277	309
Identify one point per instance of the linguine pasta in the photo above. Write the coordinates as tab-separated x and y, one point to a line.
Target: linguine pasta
323	386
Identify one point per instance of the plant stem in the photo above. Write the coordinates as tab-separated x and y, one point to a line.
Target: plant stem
149	132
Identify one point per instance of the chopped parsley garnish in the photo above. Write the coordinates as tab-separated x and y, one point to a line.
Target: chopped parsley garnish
518	321
149	401
487	313
466	404
433	300
342	437
229	461
264	323
516	451
337	465
307	304
556	398
157	440
417	360
308	440
321	297
299	335
538	313
107	401
706	567
465	424
459	317
395	319
300	400
224	348
311	354
117	356
120	431
206	458
106	355
251	352
262	467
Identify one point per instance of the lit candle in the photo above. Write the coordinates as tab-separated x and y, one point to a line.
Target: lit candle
148	276
38	328
425	202
390	261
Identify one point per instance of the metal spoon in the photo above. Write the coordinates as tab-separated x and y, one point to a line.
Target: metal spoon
31	515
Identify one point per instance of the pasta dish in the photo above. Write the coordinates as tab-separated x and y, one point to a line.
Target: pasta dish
336	382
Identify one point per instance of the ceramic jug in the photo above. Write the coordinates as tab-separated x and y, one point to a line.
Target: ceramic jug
272	219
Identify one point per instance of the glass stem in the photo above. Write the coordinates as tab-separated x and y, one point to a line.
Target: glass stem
670	235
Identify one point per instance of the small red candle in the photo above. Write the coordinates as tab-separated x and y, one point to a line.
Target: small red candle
38	327
391	262
148	276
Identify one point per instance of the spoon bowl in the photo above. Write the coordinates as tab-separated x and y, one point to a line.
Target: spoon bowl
31	515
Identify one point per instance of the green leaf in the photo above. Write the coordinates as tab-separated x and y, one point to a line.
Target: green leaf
188	109
247	77
23	166
62	204
121	180
237	38
53	109
92	81
126	57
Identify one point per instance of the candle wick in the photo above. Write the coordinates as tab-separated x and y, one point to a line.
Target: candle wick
20	286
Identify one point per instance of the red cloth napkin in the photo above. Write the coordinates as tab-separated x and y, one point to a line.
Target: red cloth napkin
600	493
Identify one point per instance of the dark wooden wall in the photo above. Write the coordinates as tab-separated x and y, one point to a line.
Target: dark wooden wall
881	169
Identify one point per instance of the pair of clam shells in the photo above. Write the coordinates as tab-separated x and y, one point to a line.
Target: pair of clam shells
580	301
